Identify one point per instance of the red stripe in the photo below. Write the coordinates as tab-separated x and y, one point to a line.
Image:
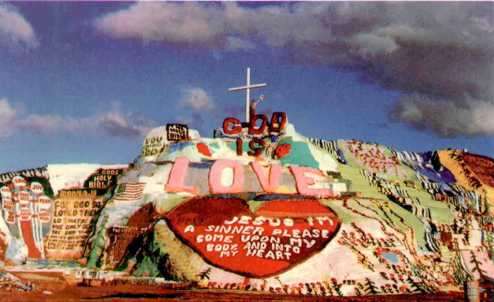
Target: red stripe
27	234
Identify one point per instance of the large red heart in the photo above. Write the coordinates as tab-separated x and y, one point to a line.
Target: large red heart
274	238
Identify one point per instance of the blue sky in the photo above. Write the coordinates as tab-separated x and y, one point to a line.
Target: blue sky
83	82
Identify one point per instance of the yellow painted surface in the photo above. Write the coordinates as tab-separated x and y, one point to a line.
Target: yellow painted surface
461	179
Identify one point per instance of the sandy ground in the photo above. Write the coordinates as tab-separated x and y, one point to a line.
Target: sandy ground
51	286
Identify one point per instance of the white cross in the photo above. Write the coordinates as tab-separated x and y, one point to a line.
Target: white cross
247	88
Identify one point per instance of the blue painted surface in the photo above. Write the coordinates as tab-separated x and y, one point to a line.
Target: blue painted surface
176	147
391	257
438	174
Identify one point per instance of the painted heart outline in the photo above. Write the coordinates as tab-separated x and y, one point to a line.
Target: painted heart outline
273	238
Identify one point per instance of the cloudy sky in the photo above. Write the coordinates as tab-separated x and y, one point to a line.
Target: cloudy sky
84	82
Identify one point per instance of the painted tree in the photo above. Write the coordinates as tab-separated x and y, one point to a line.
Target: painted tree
336	286
476	264
418	286
460	274
204	275
328	287
489	242
370	287
98	245
153	258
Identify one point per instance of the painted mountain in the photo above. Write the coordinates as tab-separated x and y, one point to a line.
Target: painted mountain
256	209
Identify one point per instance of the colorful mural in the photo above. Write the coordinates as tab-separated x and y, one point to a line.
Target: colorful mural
40	217
277	236
298	216
74	212
26	207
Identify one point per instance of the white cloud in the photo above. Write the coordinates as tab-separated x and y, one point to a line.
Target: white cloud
198	105
116	123
446	118
15	30
372	44
41	123
113	123
7	118
173	22
234	43
442	51
196	99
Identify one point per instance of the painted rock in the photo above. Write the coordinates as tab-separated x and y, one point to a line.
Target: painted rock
276	236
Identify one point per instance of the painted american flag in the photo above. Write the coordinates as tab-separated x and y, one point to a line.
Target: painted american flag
129	191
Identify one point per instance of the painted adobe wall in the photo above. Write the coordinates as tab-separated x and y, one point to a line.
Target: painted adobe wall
326	217
49	212
304	215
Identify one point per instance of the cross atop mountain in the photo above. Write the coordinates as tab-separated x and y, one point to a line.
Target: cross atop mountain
248	86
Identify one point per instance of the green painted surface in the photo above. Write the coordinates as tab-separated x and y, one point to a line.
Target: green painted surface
299	155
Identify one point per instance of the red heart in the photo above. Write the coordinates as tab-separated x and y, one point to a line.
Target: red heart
277	236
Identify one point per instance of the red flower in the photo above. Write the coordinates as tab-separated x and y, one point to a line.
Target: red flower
282	150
